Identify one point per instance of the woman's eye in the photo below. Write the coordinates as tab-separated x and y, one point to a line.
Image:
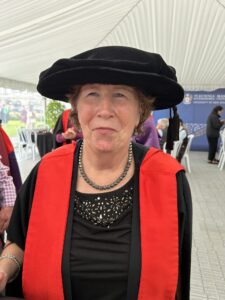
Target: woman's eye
119	95
92	94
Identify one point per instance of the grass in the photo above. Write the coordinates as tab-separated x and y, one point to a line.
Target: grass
11	127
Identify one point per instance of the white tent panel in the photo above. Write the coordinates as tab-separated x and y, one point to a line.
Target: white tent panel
189	34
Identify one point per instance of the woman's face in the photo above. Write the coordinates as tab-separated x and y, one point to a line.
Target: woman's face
107	115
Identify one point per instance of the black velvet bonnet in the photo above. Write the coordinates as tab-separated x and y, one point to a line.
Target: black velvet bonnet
114	65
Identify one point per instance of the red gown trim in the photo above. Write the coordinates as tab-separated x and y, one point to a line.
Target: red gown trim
65	120
8	144
42	275
158	227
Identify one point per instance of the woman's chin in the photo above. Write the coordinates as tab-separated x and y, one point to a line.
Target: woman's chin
104	146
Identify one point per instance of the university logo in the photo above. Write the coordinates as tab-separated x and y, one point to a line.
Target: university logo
187	99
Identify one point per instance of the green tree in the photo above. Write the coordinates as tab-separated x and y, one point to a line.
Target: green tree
53	110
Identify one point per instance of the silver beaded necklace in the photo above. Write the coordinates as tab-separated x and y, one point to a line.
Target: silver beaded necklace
114	183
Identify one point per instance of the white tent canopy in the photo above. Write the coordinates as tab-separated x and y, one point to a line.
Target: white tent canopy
189	34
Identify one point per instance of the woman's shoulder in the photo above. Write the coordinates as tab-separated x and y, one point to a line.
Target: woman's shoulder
156	160
65	150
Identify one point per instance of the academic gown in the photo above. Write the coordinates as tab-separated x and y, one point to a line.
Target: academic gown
19	223
59	128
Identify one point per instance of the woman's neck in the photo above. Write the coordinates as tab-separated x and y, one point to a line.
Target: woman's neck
104	169
105	160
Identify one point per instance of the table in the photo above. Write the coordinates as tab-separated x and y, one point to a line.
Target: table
44	143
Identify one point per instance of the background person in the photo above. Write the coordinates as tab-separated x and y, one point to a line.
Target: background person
116	216
7	200
64	132
7	197
149	136
213	131
162	127
9	158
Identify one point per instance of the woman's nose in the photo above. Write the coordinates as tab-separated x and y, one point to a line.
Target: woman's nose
105	107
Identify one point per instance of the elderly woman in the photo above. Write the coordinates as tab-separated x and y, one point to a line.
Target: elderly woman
103	218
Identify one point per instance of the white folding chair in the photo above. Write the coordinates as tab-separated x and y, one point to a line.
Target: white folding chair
222	151
22	142
187	151
27	140
176	148
221	144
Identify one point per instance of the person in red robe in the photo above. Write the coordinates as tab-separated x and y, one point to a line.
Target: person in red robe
64	132
9	158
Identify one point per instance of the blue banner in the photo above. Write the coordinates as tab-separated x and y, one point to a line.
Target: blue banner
194	111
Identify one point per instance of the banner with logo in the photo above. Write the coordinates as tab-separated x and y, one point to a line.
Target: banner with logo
194	111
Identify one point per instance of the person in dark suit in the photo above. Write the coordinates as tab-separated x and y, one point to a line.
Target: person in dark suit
214	123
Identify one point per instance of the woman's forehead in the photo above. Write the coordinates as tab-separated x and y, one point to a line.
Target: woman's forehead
107	86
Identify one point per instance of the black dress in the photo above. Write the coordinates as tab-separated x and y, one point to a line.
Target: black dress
128	247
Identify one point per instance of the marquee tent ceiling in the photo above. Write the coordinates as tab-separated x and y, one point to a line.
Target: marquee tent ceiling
189	34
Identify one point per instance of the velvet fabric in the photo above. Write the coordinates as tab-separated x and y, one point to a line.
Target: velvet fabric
114	65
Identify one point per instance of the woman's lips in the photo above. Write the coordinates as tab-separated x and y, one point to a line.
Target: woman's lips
105	130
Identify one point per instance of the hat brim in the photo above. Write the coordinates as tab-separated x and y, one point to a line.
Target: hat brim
56	85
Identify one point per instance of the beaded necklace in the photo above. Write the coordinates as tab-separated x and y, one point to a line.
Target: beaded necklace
114	183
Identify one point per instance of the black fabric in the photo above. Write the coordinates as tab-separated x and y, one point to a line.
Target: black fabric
182	149
113	65
183	145
99	259
212	132
15	171
172	130
11	298
135	249
213	125
213	142
185	236
162	139
14	288
68	236
44	143
19	221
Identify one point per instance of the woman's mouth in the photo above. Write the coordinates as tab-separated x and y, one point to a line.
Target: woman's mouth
104	130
